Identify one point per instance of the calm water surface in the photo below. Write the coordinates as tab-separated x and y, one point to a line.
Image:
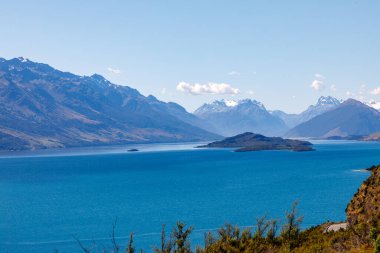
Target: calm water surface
48	197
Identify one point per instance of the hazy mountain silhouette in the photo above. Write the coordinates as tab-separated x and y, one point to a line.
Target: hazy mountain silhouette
351	118
230	117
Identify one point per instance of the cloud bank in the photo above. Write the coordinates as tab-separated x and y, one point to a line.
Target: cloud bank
113	71
375	91
208	88
234	73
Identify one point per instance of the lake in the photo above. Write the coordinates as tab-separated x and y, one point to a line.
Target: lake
49	197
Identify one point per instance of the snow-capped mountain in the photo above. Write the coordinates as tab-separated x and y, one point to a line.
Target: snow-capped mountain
231	117
323	105
225	105
350	118
374	104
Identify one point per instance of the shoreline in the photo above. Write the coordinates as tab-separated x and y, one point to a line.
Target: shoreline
102	150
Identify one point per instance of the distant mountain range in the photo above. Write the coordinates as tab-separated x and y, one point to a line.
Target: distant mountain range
323	104
229	117
328	118
351	118
42	107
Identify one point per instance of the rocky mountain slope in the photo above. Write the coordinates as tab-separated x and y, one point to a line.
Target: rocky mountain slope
42	107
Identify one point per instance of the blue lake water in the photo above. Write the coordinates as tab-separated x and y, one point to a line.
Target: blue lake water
48	197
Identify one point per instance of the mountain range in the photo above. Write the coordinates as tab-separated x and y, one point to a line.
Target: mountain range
323	104
349	119
328	118
42	107
229	117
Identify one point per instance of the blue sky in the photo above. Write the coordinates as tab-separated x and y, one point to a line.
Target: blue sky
283	53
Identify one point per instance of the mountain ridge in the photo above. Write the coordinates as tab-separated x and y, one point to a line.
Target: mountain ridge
43	107
230	117
350	118
324	104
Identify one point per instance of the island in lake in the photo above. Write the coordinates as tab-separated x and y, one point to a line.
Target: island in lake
133	150
256	142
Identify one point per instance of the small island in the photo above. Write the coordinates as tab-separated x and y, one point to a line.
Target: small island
133	150
256	142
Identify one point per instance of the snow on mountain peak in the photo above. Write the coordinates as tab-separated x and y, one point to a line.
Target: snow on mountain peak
227	105
374	104
328	100
234	103
323	105
230	103
22	59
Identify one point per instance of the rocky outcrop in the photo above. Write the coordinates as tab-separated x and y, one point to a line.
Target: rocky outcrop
364	207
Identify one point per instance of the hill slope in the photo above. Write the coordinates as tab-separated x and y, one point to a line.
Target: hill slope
364	207
44	108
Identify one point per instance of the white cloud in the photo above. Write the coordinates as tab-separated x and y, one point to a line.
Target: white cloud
319	76
114	71
348	93
234	73
163	91
251	92
333	87
317	85
209	88
375	91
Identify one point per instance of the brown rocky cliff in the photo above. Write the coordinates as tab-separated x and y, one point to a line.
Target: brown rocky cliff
364	207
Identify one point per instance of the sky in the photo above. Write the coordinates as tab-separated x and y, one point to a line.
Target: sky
284	54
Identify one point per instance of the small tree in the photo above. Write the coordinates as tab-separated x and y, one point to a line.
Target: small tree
115	245
291	229
180	235
272	231
209	239
166	246
130	248
261	228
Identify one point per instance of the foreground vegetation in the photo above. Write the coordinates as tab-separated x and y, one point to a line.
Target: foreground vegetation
361	235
